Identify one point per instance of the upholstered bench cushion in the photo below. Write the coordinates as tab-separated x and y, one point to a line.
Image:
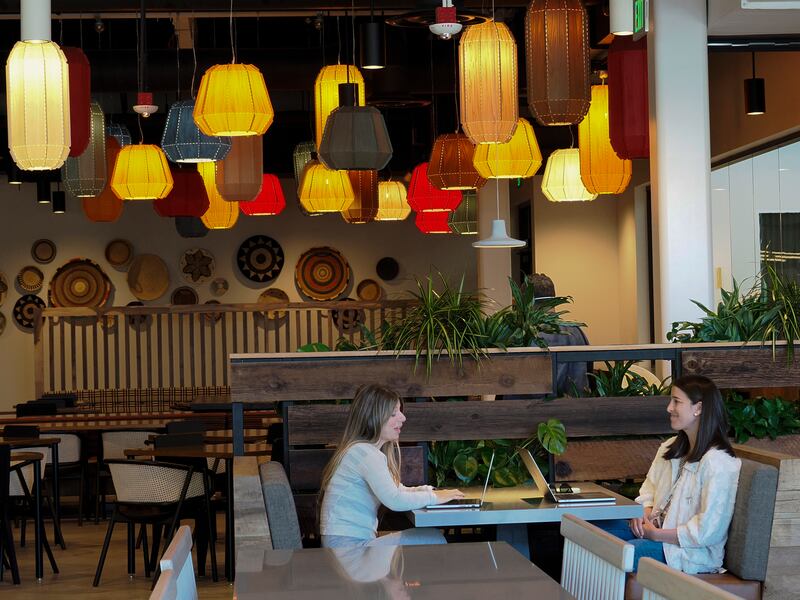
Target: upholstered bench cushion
749	590
281	512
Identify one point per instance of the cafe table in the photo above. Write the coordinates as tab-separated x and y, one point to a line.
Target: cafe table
478	570
512	509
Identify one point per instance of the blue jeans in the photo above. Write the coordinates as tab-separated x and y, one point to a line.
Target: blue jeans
642	548
416	536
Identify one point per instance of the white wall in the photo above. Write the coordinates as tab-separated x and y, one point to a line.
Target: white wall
22	221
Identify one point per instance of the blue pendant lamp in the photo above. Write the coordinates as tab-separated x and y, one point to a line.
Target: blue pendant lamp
120	133
183	142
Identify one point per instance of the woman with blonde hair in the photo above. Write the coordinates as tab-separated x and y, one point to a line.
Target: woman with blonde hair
365	473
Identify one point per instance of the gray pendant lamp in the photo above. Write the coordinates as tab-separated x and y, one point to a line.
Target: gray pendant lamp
499	237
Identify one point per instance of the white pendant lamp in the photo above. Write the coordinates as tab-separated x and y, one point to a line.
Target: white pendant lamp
499	237
620	17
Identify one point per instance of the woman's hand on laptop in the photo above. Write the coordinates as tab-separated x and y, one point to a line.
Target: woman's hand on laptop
443	496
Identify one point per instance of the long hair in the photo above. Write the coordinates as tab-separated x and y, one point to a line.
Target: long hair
372	406
713	429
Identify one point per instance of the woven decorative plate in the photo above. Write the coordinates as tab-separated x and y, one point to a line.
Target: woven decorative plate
369	290
43	251
80	282
212	317
219	286
322	273
148	277
273	296
184	296
197	265
260	258
387	268
119	253
348	320
3	288
23	310
139	322
30	279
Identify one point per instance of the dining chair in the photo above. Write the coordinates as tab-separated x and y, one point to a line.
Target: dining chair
595	562
7	551
113	445
660	582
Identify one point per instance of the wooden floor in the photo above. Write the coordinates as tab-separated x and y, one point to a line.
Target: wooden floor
78	563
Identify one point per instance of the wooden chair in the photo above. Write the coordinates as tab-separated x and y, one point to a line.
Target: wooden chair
595	562
178	560
660	582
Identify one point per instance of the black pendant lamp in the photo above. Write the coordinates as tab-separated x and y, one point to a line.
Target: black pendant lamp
59	202
42	190
755	98
373	52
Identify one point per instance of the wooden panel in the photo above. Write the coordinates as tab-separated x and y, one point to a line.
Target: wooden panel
512	419
748	367
337	375
306	467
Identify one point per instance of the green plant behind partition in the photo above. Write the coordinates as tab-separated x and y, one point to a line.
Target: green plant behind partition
761	417
619	380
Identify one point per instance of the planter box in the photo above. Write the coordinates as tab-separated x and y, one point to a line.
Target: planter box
741	366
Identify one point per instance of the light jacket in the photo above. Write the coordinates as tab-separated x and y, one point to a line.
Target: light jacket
701	508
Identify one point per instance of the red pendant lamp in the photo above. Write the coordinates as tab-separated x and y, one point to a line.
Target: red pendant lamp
433	222
628	111
188	197
107	207
80	97
424	197
270	200
364	208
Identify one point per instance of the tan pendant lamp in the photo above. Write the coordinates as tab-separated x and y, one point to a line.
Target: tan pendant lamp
364	207
240	176
221	214
392	202
520	157
562	178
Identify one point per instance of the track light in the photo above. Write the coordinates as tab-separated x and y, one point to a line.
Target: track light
42	191
373	53
59	202
755	98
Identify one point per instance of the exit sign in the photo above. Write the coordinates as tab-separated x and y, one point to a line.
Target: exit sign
641	16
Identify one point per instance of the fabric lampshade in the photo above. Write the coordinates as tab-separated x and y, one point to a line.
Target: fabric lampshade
302	155
183	142
80	98
233	100
107	207
450	166
37	106
487	55
355	138
628	111
190	227
325	190
423	196
602	171
433	222
562	178
464	219
364	207
85	176
141	172
326	93
221	213
120	132
557	58
270	200
188	197
392	201
240	175
519	157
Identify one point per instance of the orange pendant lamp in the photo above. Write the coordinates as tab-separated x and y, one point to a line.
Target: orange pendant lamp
324	190
392	202
520	157
107	207
450	166
141	172
602	171
364	207
326	93
240	175
221	214
269	202
562	178
487	56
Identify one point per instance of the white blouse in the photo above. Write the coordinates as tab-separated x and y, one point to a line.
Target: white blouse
701	508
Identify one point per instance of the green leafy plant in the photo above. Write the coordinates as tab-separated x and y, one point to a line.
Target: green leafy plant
761	417
619	380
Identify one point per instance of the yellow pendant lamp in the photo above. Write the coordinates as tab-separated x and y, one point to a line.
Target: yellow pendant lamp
141	172
221	213
520	157
326	92
562	178
602	171
233	100
324	190
392	203
487	56
240	176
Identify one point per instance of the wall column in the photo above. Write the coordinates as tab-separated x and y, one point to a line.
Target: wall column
679	160
494	264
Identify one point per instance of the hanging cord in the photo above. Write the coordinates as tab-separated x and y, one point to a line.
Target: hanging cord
143	50
194	57
230	31
571	137
433	94
60	30
141	133
178	59
753	56
339	39
455	86
353	28
80	29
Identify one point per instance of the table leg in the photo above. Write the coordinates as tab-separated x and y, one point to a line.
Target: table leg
517	536
59	538
230	541
37	525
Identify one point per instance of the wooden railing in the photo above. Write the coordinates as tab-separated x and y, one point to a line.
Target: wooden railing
183	346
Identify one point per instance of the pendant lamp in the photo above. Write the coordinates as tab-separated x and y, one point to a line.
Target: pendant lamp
424	197
233	101
188	197
364	207
464	219
432	222
499	238
557	57
80	98
14	173
755	98
392	202
324	190
450	166
240	175
303	154
487	56
120	132
221	214
628	110
141	172
620	18
59	202
85	176
520	157
562	178
107	207
270	200
326	93
183	142
190	227
37	94
42	189
602	171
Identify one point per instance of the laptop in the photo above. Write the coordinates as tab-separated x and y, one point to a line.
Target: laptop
467	502
562	499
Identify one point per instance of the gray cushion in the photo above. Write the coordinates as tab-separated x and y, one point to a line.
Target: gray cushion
281	512
751	526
